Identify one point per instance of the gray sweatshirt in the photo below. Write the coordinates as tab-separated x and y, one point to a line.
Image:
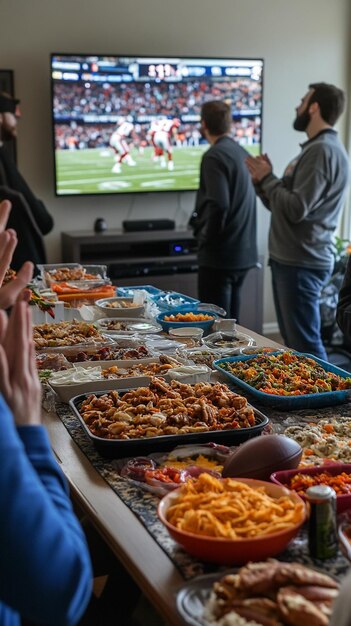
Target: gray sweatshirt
305	203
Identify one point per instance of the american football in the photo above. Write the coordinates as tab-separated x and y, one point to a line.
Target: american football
261	456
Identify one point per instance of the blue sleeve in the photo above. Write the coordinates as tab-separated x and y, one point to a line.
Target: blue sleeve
45	570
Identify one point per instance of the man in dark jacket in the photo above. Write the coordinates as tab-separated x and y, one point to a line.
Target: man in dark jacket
224	220
29	216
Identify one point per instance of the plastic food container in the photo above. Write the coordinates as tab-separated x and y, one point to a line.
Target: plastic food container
48	273
222	340
79	347
129	291
283	477
174	300
307	401
67	391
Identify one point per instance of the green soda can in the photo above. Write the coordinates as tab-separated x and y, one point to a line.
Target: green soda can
322	528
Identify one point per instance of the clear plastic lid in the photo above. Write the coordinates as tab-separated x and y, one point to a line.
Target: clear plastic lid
224	340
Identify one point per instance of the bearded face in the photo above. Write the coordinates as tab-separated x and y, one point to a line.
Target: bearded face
303	117
302	120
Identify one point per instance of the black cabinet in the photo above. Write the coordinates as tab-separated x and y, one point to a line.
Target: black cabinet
166	259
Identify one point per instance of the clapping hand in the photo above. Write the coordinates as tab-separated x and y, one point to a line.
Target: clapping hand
259	167
16	289
19	382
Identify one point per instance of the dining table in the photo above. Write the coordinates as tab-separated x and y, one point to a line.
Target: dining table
124	531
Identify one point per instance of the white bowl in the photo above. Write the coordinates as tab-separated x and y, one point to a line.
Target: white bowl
133	311
187	331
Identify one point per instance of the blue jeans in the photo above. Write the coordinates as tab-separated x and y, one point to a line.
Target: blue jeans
296	292
221	287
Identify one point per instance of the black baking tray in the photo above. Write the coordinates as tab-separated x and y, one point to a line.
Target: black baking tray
119	448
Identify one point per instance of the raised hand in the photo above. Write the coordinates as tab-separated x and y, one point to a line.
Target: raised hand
259	167
19	382
16	289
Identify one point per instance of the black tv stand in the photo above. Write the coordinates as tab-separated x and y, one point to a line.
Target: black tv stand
164	258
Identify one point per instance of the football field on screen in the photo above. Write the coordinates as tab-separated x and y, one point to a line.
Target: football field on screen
90	171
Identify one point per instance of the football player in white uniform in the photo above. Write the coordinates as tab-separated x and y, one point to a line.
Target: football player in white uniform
162	132
118	142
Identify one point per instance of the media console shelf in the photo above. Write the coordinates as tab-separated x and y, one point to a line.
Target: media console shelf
164	258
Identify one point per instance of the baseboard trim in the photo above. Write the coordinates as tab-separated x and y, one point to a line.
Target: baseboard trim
270	328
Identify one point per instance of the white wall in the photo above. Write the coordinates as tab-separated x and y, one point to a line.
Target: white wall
301	41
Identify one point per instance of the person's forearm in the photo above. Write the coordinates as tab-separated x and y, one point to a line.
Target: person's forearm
42	217
261	195
45	571
298	196
281	199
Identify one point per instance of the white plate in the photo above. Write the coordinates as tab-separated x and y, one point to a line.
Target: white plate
192	597
132	312
134	325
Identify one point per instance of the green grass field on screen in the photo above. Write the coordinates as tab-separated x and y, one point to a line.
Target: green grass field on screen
90	171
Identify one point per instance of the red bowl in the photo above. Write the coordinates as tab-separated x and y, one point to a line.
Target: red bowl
233	551
343	502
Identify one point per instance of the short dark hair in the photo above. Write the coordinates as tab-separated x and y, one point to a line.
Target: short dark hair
331	101
217	116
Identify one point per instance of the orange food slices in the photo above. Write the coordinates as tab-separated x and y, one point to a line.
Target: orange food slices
188	317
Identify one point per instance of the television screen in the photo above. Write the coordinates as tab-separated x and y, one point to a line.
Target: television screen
132	124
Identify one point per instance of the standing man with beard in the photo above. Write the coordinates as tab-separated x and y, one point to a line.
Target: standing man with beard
29	216
305	205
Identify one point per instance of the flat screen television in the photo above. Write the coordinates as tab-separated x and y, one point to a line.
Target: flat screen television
131	123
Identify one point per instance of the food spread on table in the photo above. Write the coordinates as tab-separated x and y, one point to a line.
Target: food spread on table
66	334
163	472
166	409
111	353
119	304
70	292
286	374
65	274
230	509
79	374
207	505
323	440
341	483
188	317
272	593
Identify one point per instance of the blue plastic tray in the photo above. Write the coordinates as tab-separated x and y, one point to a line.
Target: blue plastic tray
128	291
312	400
188	302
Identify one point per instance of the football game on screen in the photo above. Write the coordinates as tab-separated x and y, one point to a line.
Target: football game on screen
132	124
